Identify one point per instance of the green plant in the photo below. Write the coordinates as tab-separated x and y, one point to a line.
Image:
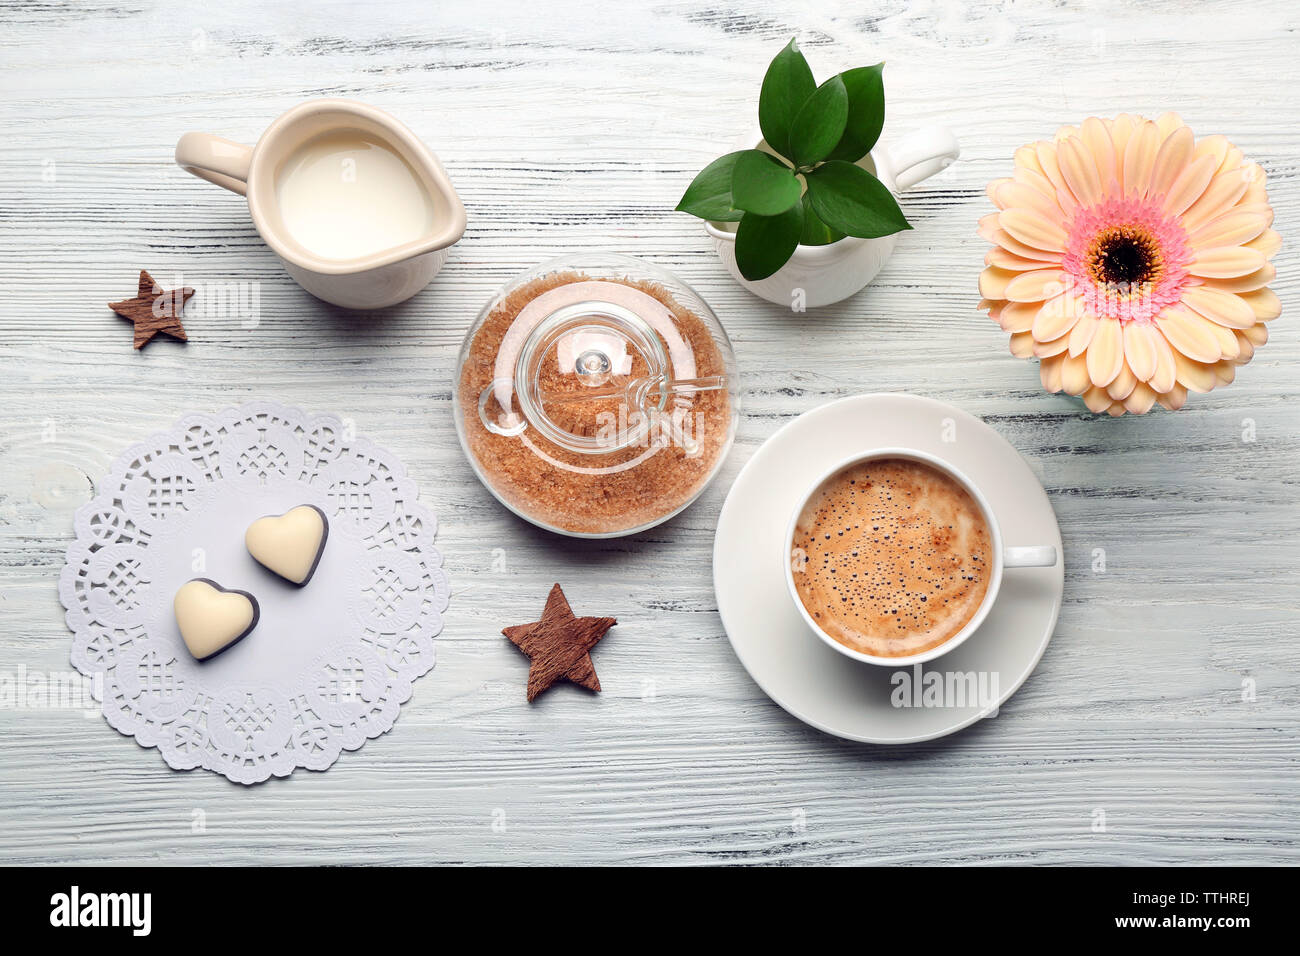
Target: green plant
805	187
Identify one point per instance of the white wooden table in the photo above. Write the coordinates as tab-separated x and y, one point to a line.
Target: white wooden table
576	126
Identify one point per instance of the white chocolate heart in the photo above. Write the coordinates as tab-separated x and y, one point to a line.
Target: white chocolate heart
289	544
212	618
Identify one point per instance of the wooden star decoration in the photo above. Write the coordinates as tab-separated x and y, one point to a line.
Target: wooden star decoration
154	310
559	645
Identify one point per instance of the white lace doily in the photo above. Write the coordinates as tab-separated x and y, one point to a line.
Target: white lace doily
328	665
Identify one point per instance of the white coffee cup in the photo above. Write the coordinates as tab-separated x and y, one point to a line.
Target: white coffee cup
371	281
1038	556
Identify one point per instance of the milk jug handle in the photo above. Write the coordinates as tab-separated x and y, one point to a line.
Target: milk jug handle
215	159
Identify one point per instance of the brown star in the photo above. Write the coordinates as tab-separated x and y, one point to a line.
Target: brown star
559	644
153	310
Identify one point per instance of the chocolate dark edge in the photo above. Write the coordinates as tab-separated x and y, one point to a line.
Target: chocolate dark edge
257	616
325	536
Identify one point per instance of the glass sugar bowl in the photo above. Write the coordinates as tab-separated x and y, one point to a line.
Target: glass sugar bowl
596	395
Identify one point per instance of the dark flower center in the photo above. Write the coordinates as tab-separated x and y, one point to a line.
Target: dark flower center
1125	257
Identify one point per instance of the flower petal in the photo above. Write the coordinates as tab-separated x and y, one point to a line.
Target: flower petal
1096	399
1034	179
1116	409
991	190
1195	376
1083	331
1049	372
1228	347
1014	246
1120	132
1247	283
1012	194
1171	159
1018	316
1267	242
1098	143
1054	347
988	227
1106	353
1232	159
1256	191
1223	308
1140	349
1225	372
1035	286
1080	171
1189	333
1216	147
1169	123
1032	229
1264	304
1047	158
1123	384
1027	160
1189	186
1226	262
1140	400
1022	345
1163	378
994	281
1234	228
1174	398
1057	317
1074	374
1225	189
1000	257
1247	347
1256	335
1139	157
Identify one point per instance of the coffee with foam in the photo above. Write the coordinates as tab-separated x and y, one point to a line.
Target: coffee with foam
892	557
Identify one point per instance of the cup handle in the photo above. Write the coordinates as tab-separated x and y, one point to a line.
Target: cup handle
1043	556
921	154
215	159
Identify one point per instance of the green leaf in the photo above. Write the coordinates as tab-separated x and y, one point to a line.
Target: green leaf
763	185
765	243
709	194
850	199
820	123
866	89
816	232
786	85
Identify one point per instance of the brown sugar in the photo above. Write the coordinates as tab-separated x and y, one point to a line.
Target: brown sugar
610	492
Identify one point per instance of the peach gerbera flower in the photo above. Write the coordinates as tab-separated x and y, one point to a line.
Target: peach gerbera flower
1132	260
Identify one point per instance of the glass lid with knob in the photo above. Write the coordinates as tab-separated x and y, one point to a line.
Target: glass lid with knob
596	395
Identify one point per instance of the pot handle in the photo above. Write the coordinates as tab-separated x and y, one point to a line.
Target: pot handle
921	154
215	159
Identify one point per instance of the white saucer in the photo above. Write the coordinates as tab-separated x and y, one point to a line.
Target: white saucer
791	664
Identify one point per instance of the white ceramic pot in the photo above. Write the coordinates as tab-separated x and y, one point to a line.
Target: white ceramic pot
822	275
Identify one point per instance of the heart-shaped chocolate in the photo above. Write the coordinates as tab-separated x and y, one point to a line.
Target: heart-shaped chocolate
289	544
212	618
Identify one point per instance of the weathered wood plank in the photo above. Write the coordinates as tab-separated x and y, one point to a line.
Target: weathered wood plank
576	126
